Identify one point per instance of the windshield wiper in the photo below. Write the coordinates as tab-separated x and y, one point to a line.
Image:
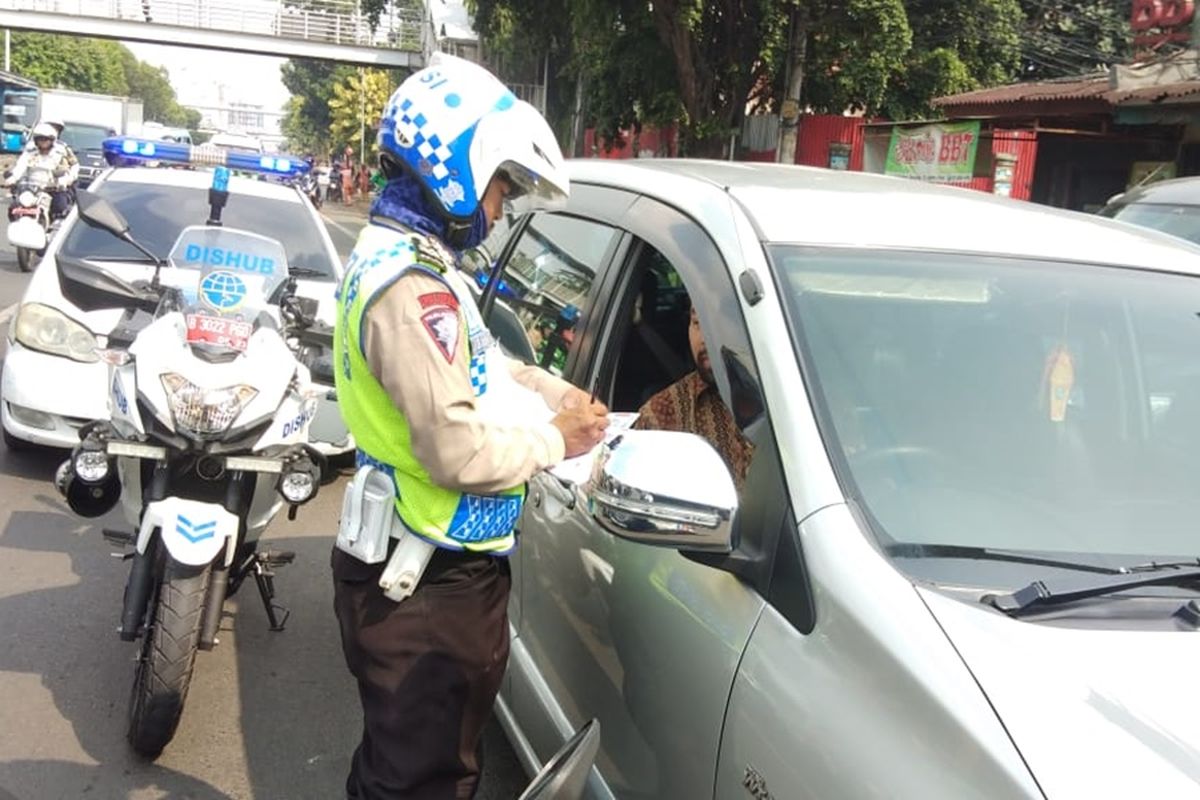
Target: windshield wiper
306	272
915	550
138	259
1059	591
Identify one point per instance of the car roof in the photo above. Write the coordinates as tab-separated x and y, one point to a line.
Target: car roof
202	179
809	205
1178	191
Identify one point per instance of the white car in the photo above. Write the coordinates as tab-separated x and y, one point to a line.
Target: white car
53	381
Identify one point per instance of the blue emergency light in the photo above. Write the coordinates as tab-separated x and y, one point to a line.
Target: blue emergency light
124	151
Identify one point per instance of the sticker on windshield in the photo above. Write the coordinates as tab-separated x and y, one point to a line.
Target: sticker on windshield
222	290
218	331
1061	373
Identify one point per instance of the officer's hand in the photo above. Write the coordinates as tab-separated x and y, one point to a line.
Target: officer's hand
577	398
581	429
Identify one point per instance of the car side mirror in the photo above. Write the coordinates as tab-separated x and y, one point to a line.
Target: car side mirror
664	488
99	213
564	776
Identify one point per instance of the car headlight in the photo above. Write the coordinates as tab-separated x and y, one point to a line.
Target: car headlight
27	198
204	411
48	330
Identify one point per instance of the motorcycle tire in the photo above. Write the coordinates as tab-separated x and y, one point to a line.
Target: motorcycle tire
24	259
164	671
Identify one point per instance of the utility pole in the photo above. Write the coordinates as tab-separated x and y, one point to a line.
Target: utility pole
789	113
362	116
7	50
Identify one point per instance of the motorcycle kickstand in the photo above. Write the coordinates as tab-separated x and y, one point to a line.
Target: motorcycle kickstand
264	576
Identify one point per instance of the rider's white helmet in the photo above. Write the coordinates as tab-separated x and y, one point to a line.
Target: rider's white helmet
453	125
55	123
44	130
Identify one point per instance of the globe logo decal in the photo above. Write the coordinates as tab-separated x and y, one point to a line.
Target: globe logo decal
223	290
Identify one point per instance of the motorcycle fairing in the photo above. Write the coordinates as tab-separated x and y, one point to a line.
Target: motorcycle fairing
122	405
27	232
267	365
193	532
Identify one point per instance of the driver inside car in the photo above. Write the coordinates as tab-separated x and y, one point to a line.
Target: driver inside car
693	404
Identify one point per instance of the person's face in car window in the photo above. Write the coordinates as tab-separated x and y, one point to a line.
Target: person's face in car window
699	349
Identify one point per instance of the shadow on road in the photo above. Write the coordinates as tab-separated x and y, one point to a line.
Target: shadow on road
58	635
286	698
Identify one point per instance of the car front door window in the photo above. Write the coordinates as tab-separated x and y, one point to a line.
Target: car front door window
543	295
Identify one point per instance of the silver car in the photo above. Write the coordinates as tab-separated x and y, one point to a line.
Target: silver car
964	561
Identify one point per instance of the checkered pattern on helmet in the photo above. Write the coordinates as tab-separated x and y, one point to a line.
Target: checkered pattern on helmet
410	126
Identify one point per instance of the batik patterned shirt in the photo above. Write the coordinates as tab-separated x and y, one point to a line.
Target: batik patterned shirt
693	406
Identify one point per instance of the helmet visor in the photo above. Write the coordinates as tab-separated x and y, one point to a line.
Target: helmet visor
529	191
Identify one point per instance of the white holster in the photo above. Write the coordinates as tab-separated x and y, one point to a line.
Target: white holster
369	521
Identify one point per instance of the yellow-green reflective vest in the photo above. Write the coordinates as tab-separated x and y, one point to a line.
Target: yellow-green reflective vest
448	518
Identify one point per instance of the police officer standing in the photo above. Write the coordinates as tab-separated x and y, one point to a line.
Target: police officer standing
456	426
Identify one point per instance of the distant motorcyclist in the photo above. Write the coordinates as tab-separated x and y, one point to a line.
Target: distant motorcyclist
51	165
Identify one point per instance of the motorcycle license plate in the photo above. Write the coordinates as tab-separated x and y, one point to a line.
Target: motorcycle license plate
26	232
230	333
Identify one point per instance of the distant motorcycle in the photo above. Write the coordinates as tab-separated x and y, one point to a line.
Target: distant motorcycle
311	189
29	221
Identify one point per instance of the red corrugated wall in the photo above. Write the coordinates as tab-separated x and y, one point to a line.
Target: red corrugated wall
818	131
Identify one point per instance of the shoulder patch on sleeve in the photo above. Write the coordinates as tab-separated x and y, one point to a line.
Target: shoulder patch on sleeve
442	325
435	299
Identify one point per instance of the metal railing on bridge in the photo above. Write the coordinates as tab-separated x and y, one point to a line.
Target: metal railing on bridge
335	22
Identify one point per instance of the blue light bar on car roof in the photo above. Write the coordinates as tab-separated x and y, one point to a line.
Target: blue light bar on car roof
123	151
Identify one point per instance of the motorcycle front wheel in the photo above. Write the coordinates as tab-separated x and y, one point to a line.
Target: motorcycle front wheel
24	259
164	670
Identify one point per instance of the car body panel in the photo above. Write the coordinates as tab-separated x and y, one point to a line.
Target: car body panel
1097	713
873	703
640	637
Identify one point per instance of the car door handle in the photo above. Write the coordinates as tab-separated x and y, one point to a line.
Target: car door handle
560	490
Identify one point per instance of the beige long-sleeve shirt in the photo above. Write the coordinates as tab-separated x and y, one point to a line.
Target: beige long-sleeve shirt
416	345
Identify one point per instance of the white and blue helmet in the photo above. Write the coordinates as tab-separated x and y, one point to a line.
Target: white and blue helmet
453	126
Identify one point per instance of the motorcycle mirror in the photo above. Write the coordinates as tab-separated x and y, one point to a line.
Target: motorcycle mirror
564	775
99	213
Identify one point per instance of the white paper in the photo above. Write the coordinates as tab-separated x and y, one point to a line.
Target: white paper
579	468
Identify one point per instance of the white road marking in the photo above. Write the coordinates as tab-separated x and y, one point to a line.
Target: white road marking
351	233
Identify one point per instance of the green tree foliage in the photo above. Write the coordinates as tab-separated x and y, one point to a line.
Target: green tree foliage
1071	37
956	47
70	62
100	66
355	108
308	118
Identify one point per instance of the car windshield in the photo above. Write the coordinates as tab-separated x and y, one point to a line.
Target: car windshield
1181	221
157	215
82	138
995	403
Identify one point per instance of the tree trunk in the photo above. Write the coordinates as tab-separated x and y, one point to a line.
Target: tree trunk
789	117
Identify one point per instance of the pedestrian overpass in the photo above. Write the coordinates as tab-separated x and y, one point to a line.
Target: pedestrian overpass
331	30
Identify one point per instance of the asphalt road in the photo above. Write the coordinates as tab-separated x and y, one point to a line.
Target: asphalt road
270	716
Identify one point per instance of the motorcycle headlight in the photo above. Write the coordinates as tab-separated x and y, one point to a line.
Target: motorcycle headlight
27	198
204	411
48	330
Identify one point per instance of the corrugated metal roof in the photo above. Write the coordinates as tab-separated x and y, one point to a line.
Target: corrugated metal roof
1077	88
1088	87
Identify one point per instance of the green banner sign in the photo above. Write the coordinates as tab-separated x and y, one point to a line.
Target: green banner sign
943	151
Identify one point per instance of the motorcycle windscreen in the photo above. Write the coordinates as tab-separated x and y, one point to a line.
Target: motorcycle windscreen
237	275
27	232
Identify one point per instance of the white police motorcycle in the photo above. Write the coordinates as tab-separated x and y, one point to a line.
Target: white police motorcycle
208	439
